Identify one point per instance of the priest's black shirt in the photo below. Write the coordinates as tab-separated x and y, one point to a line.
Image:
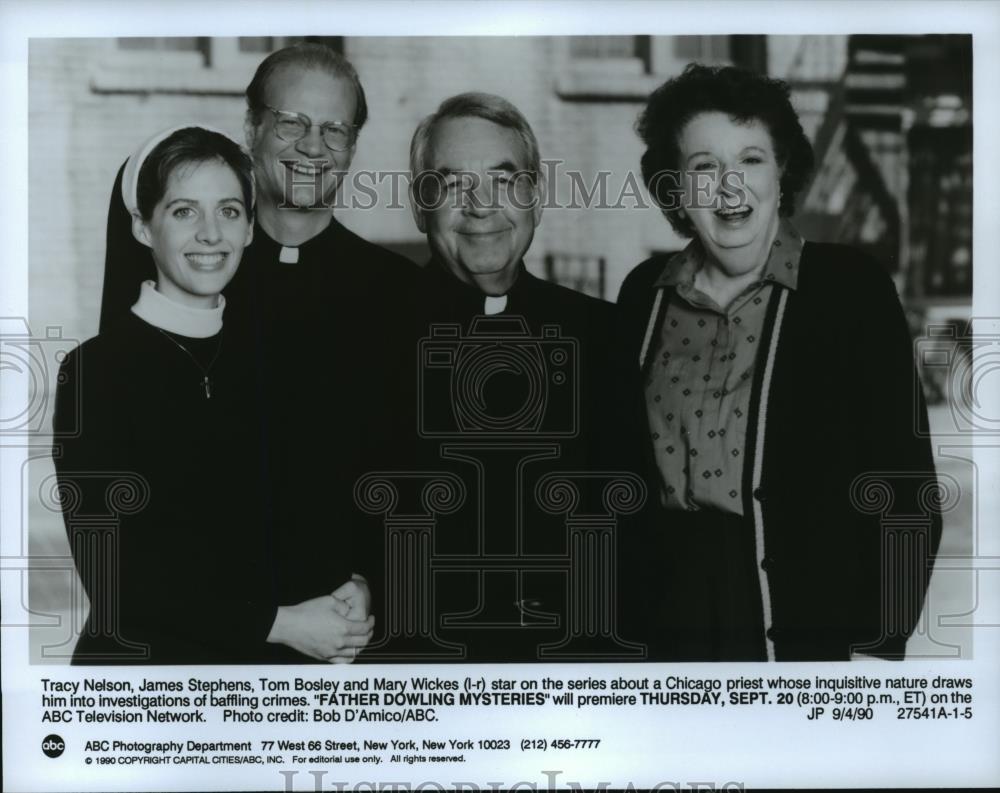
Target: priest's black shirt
502	402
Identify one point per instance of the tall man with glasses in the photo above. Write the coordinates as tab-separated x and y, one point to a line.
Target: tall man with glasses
319	309
305	109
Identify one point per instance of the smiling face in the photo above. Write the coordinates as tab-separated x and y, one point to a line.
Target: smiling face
732	187
311	172
481	234
197	232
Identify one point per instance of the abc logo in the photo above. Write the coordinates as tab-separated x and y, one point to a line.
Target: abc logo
53	746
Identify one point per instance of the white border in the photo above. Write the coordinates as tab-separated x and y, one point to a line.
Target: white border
928	754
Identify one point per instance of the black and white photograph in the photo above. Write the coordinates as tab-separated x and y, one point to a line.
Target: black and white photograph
570	377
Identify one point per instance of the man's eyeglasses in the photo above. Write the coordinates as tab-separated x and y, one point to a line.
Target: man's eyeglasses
291	127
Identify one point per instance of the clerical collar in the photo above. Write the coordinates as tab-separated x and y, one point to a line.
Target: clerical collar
472	294
494	305
162	312
291	254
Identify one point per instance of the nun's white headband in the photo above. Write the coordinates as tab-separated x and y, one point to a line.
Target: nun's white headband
130	177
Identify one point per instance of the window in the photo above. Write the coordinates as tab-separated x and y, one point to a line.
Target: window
172	44
605	48
256	43
583	273
259	45
262	45
705	49
628	68
189	65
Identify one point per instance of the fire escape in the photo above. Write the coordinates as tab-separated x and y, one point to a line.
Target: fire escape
856	196
890	124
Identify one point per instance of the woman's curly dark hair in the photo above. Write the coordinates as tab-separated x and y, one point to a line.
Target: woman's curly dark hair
745	96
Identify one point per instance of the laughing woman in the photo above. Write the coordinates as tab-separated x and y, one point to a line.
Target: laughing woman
164	495
778	380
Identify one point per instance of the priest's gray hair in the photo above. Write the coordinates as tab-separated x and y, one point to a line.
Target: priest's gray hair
474	105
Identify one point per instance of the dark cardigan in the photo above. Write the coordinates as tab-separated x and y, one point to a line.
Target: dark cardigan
834	411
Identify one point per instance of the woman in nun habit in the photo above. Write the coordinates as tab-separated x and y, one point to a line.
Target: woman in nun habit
165	487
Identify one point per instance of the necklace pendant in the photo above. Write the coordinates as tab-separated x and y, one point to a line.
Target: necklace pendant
208	388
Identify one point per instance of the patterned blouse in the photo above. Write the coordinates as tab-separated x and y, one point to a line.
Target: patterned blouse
699	382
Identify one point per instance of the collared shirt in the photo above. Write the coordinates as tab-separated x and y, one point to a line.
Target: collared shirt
701	374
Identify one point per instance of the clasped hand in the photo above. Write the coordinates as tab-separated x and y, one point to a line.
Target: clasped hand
329	628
